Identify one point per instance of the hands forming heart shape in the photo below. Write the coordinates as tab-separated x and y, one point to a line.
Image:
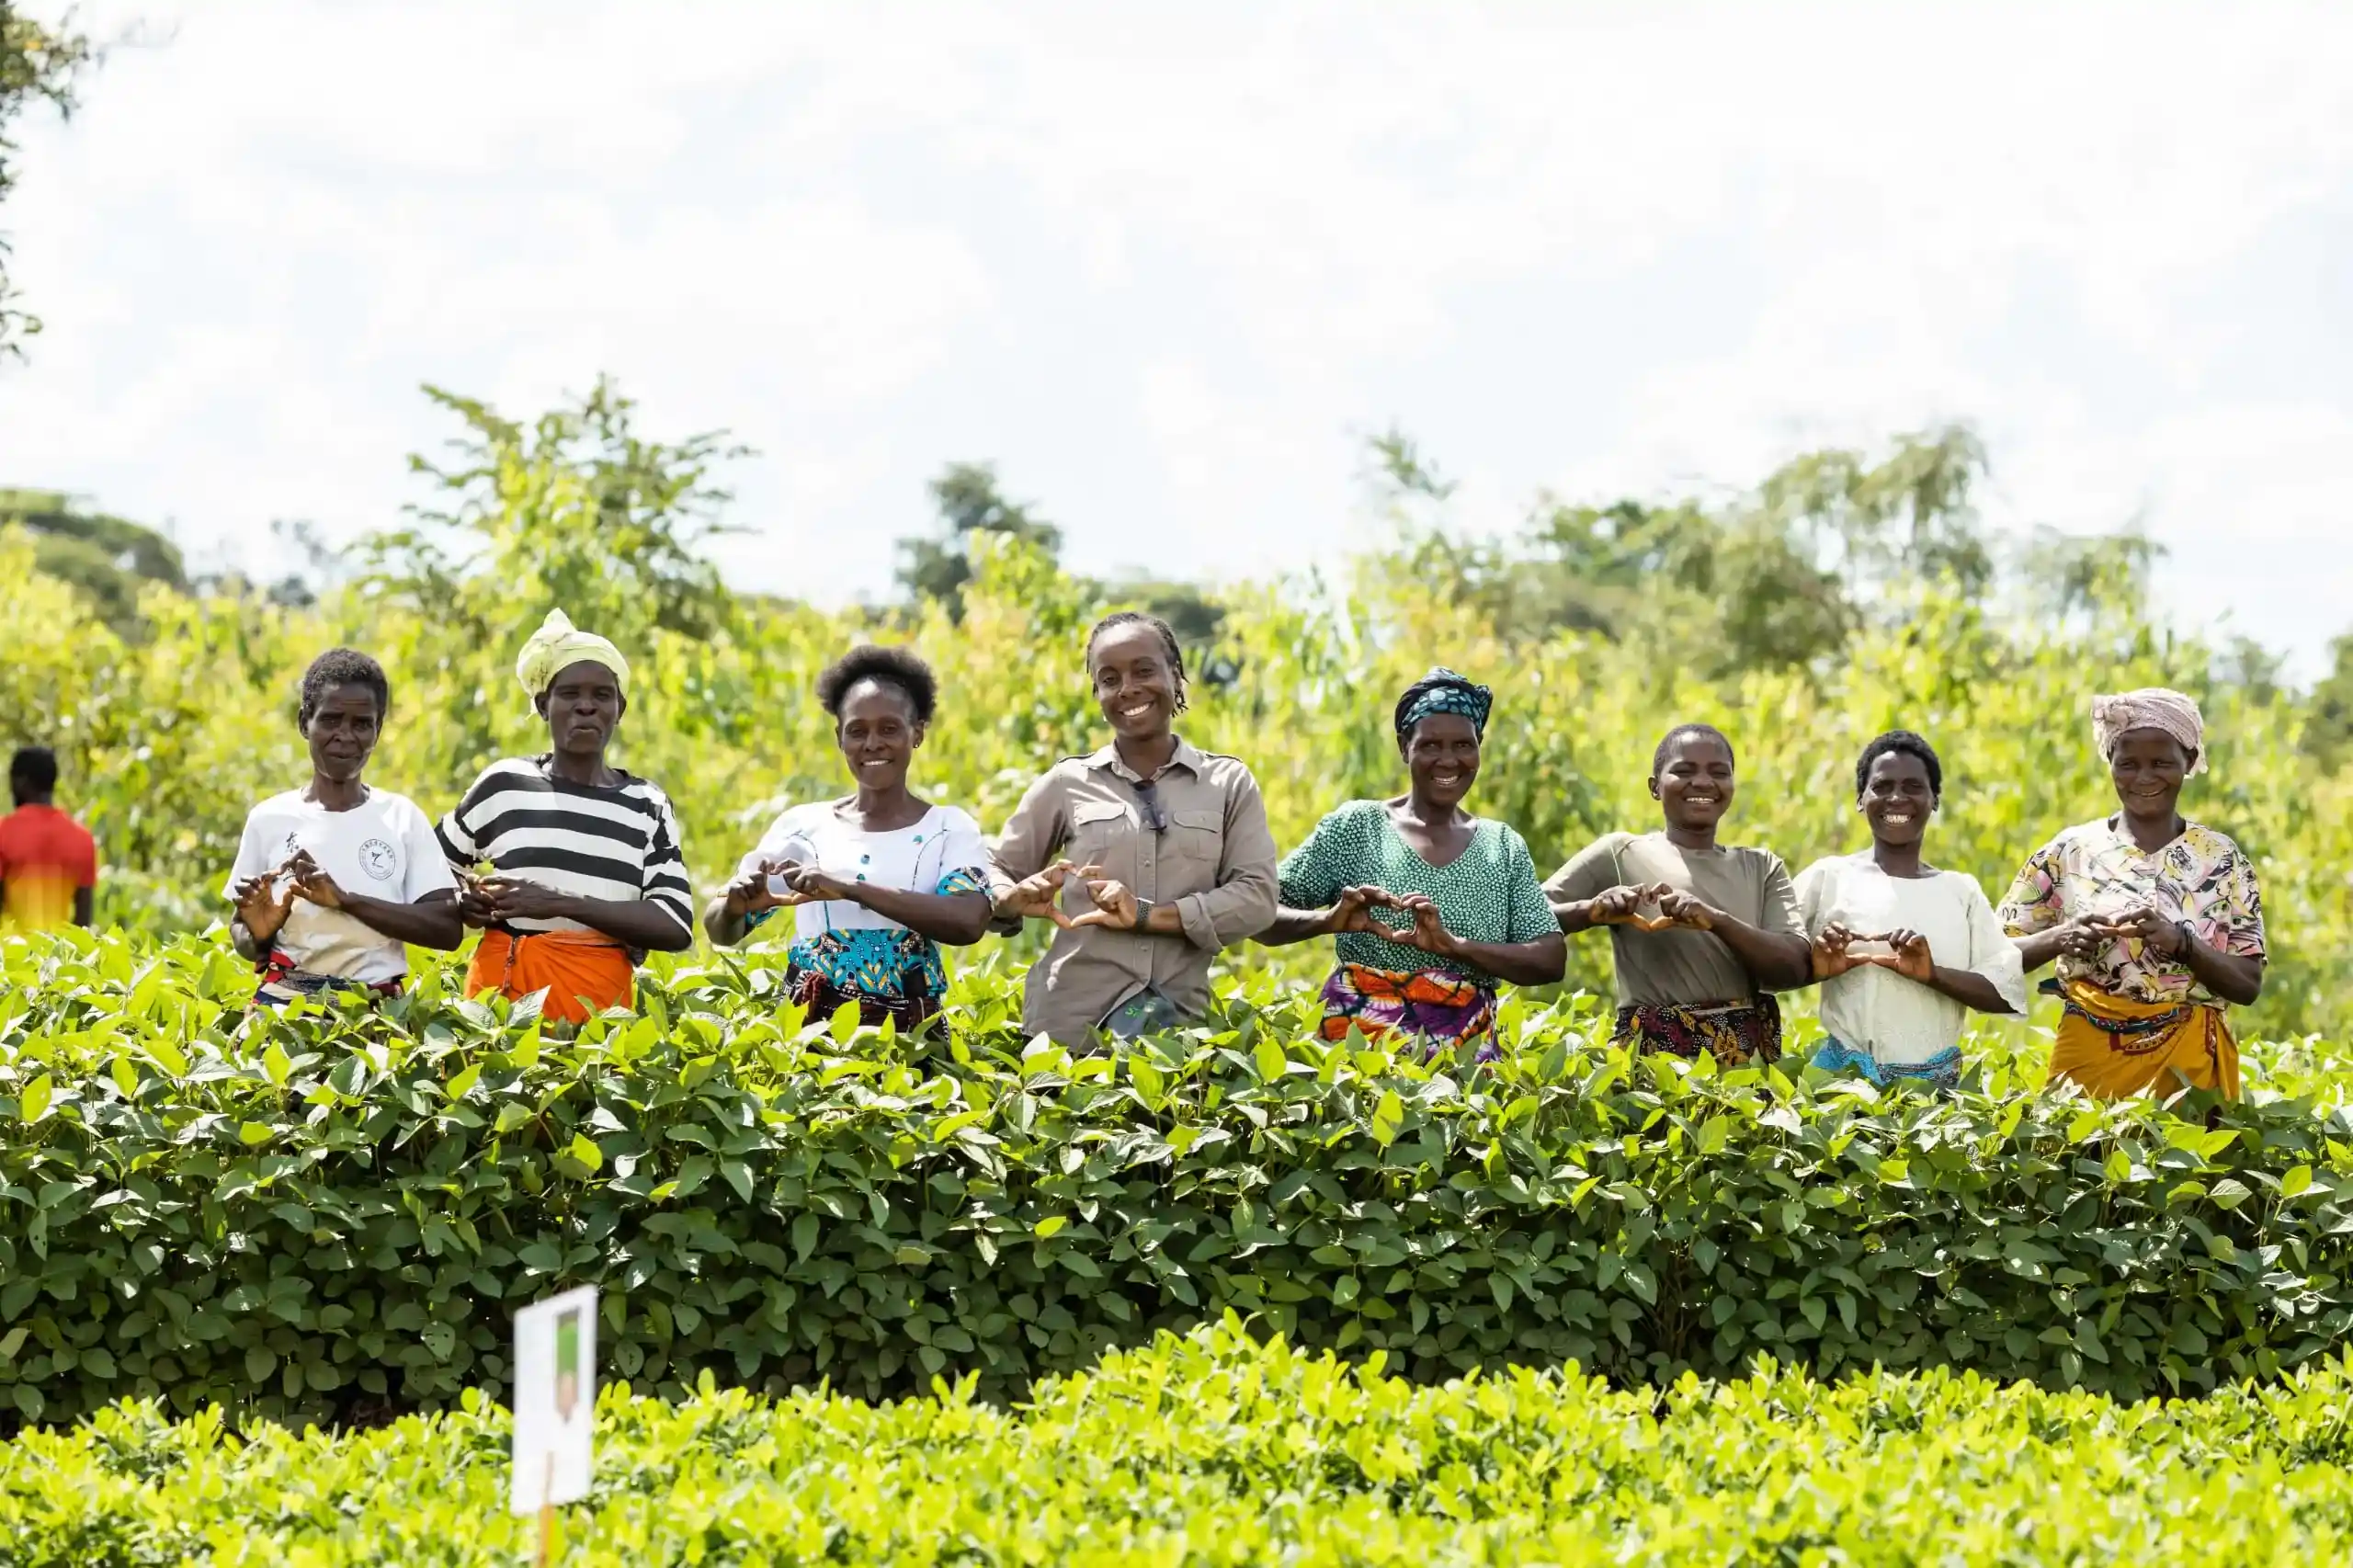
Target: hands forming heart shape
1622	906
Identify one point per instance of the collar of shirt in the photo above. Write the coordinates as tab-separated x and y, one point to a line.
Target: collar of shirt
1185	756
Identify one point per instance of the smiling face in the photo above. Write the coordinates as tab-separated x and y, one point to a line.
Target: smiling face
1441	754
2148	767
1898	799
583	705
342	731
1694	784
1135	682
878	732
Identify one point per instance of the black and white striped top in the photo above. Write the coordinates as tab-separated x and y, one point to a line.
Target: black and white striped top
618	844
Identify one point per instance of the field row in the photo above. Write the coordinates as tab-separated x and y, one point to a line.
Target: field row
1215	1449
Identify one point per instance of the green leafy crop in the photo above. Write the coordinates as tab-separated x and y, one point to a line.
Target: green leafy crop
334	1214
1213	1449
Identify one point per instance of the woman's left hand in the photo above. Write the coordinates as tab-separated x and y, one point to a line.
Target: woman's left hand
312	882
816	885
512	898
1688	910
1115	904
1428	931
2145	923
1912	958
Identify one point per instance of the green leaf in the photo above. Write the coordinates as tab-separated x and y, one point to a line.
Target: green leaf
276	1065
1271	1063
462	1082
843	1028
33	1104
584	1149
1051	1225
1388	1116
1714	1133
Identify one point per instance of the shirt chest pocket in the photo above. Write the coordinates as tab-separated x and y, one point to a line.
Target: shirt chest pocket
1102	833
1194	838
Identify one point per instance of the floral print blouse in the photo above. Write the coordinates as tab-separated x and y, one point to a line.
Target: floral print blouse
2095	870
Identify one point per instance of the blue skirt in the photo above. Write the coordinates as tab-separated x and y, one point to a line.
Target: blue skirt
1941	1071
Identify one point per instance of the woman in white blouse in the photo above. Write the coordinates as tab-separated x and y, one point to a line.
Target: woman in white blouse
1903	951
876	879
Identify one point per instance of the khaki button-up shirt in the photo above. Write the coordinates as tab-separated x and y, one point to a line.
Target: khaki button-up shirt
1215	861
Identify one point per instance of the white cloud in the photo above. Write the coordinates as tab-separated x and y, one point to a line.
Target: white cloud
1166	267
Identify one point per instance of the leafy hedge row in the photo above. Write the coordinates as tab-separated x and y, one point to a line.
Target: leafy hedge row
1211	1450
330	1214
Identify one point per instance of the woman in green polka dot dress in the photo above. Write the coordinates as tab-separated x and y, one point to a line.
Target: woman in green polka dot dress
1433	907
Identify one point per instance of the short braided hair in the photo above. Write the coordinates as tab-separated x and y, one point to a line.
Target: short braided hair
1909	744
1666	743
341	667
1119	617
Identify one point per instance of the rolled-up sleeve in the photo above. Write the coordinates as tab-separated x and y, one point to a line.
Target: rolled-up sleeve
1243	903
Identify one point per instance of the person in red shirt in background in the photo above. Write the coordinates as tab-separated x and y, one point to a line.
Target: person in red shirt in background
48	862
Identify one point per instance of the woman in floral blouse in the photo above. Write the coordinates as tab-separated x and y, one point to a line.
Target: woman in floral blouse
2155	921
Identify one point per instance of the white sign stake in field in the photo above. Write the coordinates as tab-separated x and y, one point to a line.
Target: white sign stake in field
555	1404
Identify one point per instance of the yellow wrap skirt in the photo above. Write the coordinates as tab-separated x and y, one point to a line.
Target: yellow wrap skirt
2115	1047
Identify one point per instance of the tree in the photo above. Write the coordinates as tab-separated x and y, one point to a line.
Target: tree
38	66
969	503
109	559
2329	722
2074	577
574	511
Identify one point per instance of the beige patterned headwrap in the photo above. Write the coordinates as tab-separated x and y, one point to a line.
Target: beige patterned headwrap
2151	708
557	643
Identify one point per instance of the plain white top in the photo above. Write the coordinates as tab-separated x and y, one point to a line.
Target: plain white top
1878	1010
382	848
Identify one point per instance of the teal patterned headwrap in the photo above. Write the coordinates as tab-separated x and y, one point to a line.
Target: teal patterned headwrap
1443	691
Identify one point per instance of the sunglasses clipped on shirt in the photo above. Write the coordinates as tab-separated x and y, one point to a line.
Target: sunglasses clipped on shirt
1156	815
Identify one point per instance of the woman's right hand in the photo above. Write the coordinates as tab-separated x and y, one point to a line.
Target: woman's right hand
1832	951
750	894
2082	938
1352	912
261	907
1622	906
1038	897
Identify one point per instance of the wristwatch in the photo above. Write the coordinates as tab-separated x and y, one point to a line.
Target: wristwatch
1143	914
2188	936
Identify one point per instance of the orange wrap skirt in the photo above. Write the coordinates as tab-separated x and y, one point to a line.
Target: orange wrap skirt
2115	1047
581	972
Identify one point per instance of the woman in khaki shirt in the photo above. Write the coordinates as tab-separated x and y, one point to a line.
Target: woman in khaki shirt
1149	856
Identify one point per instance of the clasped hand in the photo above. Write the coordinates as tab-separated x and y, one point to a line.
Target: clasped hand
496	899
1352	913
1622	906
754	892
1038	897
1909	954
264	902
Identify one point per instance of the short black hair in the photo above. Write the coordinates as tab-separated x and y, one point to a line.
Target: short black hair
1119	617
1902	740
342	666
33	771
1667	743
897	667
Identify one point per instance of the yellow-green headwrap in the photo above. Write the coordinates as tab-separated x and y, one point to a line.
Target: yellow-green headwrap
558	643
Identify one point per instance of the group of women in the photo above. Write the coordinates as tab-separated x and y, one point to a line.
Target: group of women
1149	856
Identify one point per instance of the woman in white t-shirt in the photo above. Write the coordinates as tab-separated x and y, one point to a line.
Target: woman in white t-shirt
876	879
1904	952
333	880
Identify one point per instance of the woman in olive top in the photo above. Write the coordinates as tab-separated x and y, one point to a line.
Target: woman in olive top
1149	856
1465	911
1702	933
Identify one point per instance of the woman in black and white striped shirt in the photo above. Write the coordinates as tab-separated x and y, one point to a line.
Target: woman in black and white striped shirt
587	873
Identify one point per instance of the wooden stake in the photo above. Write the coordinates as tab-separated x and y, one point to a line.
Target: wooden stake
546	1512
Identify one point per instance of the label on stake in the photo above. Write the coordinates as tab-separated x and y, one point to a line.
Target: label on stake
555	1400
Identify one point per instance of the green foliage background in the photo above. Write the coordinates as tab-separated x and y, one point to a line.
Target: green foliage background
171	728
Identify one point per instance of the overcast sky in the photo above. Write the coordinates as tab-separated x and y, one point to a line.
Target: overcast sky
1166	267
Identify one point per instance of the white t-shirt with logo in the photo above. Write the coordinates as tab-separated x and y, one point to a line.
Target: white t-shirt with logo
383	848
